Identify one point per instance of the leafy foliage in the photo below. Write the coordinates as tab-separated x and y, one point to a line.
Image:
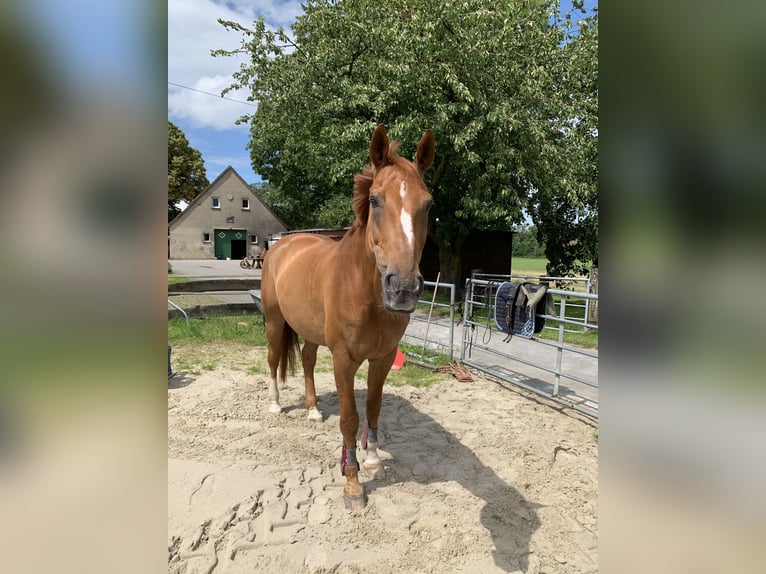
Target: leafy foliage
186	171
508	88
525	243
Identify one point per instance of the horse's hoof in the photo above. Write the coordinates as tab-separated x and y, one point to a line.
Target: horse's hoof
275	408
375	471
354	497
355	502
315	415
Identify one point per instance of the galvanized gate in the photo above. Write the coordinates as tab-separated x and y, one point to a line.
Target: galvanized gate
555	368
565	372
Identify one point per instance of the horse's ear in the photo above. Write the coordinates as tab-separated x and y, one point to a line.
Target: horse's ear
424	157
379	147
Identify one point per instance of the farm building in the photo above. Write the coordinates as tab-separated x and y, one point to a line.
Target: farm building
226	221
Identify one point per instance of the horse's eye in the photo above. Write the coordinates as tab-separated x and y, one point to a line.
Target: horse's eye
374	201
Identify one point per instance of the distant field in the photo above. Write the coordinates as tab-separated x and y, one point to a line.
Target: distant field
528	266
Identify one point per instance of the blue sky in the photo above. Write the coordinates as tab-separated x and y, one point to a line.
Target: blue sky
209	121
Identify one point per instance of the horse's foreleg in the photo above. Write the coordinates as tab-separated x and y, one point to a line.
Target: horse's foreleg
345	369
309	357
376	376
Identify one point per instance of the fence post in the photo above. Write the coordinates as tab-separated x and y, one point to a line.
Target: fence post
560	348
468	295
451	320
587	305
592	315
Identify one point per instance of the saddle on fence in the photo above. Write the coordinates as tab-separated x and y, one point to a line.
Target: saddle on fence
519	306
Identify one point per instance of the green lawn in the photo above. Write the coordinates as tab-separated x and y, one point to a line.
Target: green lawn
247	329
172	280
579	337
528	265
202	345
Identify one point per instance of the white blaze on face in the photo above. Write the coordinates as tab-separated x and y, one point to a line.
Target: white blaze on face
405	217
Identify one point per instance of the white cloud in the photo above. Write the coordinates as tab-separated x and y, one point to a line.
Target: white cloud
217	163
193	31
203	110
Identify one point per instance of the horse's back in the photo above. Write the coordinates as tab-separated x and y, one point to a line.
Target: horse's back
296	253
293	279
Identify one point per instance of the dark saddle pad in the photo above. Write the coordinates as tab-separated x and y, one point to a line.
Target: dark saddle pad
514	315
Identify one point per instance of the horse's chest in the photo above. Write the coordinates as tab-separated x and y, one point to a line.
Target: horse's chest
373	338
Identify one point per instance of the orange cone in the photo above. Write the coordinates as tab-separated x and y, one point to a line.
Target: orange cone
398	360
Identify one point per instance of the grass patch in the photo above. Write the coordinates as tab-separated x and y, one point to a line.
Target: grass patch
172	280
415	376
258	368
409	374
431	356
578	335
529	265
245	329
580	339
208	342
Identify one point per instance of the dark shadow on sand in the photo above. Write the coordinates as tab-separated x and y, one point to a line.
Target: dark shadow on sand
438	456
179	380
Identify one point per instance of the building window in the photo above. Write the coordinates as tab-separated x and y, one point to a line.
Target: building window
245	204
205	238
254	239
216	203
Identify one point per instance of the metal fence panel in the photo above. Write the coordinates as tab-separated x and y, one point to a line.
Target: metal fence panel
431	330
560	371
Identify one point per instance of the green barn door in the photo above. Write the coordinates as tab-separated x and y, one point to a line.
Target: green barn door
223	239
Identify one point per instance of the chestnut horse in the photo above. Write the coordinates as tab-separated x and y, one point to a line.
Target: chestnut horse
354	296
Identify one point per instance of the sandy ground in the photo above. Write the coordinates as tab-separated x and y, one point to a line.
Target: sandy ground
480	478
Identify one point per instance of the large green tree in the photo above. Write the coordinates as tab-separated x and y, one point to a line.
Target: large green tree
525	243
507	88
566	212
186	171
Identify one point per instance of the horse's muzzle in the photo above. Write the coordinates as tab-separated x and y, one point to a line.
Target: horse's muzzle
401	296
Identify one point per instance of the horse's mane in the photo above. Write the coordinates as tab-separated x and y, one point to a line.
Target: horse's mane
363	183
361	199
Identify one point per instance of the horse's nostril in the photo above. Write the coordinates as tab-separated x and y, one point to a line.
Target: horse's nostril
392	282
421	284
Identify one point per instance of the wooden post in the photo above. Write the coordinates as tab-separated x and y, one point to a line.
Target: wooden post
593	304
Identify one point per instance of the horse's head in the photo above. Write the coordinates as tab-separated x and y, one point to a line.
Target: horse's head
395	209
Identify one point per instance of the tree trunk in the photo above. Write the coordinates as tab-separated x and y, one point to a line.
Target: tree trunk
450	262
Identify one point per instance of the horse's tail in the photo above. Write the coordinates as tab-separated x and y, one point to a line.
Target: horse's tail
289	349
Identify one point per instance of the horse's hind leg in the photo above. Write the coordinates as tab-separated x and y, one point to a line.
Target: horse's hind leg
274	328
309	358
